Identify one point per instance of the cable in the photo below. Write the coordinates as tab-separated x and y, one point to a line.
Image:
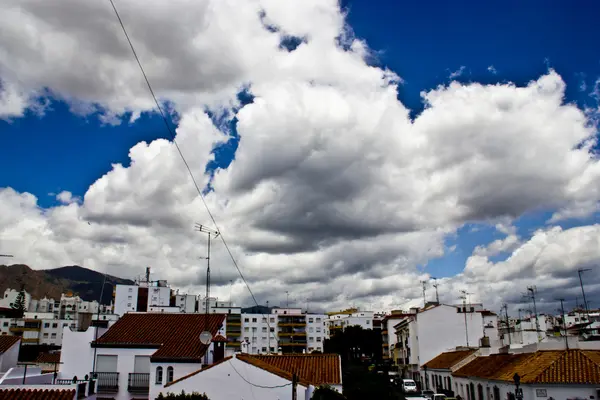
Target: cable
255	385
162	114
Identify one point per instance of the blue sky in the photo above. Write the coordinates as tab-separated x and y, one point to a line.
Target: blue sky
421	43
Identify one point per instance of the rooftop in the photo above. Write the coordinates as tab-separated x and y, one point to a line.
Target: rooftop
176	336
7	341
315	369
448	359
48	358
555	367
36	394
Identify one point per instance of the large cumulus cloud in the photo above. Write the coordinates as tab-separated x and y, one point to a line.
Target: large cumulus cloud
336	195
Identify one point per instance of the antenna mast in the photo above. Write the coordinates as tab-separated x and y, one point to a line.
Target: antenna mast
435	285
215	234
424	284
463	296
533	290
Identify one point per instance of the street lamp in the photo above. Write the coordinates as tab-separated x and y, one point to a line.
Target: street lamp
518	390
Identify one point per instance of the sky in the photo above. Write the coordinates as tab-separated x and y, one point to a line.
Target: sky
347	151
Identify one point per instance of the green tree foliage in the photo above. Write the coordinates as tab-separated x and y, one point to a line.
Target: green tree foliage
19	303
354	342
183	396
326	393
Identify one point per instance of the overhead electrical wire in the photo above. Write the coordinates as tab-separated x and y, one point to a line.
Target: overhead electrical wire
254	384
187	166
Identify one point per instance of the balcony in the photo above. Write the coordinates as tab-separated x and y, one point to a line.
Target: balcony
107	382
292	324
290	334
138	383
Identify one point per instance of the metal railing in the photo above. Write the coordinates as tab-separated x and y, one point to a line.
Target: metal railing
138	382
107	382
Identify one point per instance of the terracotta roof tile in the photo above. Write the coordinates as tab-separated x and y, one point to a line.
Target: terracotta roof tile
37	394
316	369
556	367
219	338
448	359
48	358
7	341
176	336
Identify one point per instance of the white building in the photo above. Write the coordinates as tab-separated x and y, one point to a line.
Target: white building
549	374
9	352
346	318
187	303
266	377
139	298
142	352
285	330
10	296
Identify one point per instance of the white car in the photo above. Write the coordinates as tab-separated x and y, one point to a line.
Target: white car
409	386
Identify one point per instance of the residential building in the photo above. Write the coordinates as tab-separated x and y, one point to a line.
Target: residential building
425	333
285	330
350	317
438	372
9	352
187	303
142	351
141	297
267	377
10	296
387	331
551	374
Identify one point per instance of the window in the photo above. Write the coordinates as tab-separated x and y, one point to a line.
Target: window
169	374
46	334
368	322
264	320
310	320
311	339
246	338
319	338
65	324
53	336
272	329
472	309
6	324
128	297
47	325
264	349
253	329
264	329
253	319
272	320
131	290
272	349
159	372
246	329
253	339
310	330
264	338
318	329
128	304
246	320
318	319
55	325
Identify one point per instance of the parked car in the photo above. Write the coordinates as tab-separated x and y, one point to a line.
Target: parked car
409	386
439	396
427	393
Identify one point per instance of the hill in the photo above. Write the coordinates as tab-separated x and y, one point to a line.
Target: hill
52	282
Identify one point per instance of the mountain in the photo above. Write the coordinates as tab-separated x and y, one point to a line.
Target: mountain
52	282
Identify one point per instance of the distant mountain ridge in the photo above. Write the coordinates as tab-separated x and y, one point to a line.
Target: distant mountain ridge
52	282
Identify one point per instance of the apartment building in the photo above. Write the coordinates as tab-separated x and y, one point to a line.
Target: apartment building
10	296
284	330
339	320
141	297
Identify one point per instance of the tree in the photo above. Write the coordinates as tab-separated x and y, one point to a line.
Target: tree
354	342
183	396
19	303
325	392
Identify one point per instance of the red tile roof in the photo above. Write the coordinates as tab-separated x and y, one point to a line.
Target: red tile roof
176	336
48	358
552	367
316	369
37	394
7	341
219	338
448	359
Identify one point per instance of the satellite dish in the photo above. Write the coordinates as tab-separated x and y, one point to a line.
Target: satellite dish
205	337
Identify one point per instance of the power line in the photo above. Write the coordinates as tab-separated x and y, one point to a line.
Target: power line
254	384
162	114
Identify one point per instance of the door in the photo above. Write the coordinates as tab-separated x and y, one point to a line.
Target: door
141	365
106	363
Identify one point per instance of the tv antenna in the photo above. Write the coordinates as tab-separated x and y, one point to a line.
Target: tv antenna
463	296
206	336
533	291
435	285
424	285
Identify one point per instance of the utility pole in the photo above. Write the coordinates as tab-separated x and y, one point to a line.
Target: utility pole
533	289
505	307
424	285
287	302
585	304
562	310
294	384
435	285
464	299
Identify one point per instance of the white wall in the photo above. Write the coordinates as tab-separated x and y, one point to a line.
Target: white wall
10	357
179	370
76	354
125	363
158	296
125	299
223	382
445	320
9	297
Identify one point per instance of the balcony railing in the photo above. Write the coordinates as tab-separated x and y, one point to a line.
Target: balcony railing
107	382
138	383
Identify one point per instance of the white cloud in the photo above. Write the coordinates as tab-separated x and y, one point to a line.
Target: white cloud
492	69
457	73
335	193
66	197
